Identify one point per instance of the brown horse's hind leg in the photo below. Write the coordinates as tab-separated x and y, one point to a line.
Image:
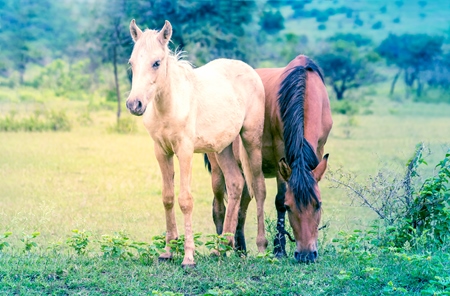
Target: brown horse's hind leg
240	234
234	184
167	171
279	243
218	186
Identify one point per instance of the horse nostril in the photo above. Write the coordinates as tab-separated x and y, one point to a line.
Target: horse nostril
139	105
314	254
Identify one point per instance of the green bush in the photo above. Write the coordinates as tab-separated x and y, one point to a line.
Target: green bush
429	211
125	125
345	107
415	213
37	122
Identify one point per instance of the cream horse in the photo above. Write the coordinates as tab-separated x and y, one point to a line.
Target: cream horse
200	110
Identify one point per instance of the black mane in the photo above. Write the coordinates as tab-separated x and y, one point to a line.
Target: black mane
299	154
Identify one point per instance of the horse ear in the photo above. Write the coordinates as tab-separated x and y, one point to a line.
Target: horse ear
285	170
135	31
165	33
319	171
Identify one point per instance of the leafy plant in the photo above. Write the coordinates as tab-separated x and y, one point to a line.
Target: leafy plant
116	246
219	243
268	257
430	209
79	241
177	245
4	243
414	213
147	252
28	241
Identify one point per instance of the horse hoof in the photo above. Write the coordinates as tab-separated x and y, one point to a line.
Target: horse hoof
188	266
165	257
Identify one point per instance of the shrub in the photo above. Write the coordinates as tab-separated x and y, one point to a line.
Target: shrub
345	107
124	125
37	122
415	213
79	241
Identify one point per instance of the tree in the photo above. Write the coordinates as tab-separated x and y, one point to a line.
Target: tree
110	40
206	29
346	65
31	32
412	54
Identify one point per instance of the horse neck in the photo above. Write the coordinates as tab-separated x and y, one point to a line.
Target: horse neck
170	92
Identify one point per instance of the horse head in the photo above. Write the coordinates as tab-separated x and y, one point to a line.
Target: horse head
149	65
304	218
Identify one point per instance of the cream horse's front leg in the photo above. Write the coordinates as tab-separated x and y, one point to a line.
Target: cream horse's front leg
166	166
186	203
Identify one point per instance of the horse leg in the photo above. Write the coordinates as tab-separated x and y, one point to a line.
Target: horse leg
186	203
254	154
240	235
279	243
167	171
234	184
218	187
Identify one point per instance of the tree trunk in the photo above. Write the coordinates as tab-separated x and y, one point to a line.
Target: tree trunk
339	91
116	80
419	86
395	81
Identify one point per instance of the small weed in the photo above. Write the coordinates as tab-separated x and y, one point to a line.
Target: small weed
79	241
3	243
116	246
219	243
177	245
147	252
28	241
268	257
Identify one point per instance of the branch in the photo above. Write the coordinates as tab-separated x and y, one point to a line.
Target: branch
360	195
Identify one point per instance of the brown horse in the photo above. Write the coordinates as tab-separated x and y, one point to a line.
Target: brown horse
297	124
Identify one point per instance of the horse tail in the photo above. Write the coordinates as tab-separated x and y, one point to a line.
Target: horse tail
299	153
206	162
246	168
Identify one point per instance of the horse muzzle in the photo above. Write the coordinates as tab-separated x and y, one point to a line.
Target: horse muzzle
136	107
306	257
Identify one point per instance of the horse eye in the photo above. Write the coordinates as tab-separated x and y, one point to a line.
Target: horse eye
287	208
156	64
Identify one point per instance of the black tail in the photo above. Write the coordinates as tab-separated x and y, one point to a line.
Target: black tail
207	163
299	153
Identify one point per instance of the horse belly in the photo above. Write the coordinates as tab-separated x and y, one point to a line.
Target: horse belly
214	141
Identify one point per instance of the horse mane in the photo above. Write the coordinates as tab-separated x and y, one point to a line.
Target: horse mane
299	153
178	55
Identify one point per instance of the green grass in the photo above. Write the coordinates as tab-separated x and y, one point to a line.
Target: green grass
335	274
95	180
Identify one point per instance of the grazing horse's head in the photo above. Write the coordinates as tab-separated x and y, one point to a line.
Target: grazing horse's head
149	65
304	217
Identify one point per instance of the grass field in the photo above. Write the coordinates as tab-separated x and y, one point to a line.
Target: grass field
100	181
96	180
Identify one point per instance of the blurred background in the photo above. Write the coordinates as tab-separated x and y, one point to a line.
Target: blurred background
64	67
79	49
